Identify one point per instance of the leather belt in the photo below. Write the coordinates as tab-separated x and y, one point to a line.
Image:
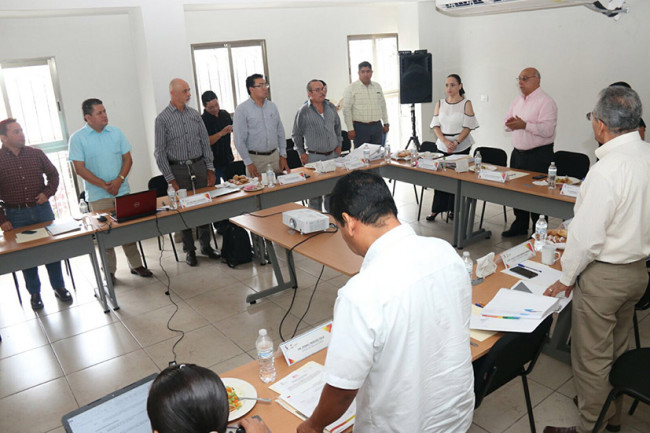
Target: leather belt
252	152
367	123
186	161
321	153
19	206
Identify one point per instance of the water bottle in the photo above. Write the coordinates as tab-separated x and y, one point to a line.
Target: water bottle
469	264
540	233
366	155
265	360
83	207
171	195
387	153
477	163
270	176
552	175
414	157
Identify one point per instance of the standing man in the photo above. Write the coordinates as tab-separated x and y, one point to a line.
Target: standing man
259	135
25	196
532	118
318	123
396	331
219	126
101	155
184	157
607	245
364	109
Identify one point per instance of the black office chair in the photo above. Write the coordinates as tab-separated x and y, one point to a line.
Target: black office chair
290	144
159	184
293	159
571	164
346	145
492	155
643	304
426	146
629	376
506	360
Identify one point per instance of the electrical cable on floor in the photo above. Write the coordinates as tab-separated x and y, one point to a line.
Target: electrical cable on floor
292	270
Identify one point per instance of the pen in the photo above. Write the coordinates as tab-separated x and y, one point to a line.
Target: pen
529	268
479	305
473	344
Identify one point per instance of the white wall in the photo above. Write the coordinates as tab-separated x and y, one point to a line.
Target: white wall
577	51
94	58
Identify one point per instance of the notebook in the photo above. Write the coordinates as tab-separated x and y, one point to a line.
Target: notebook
65	226
122	411
136	205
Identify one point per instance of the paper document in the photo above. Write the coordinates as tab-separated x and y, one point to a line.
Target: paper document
31	235
300	392
544	275
475	333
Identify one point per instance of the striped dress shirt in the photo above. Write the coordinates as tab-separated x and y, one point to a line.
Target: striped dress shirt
258	129
363	103
180	136
322	133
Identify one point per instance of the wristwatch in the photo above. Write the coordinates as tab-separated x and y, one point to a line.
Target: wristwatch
122	177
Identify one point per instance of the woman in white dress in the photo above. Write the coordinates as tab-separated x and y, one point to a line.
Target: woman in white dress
453	119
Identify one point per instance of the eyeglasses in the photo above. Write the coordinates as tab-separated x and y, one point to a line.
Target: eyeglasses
319	89
262	86
590	115
524	79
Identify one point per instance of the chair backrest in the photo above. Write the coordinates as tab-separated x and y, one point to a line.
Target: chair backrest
290	143
347	144
644	302
428	146
507	359
571	164
293	159
235	167
493	155
159	184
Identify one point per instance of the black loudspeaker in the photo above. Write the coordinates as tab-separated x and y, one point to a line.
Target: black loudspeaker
415	77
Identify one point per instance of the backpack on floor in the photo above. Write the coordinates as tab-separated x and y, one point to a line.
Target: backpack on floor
236	246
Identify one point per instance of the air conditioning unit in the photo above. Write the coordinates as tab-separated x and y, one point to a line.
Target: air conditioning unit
486	7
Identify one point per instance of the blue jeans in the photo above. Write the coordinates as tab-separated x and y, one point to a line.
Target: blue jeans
34	215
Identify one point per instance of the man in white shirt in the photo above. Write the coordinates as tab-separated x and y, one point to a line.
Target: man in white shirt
608	242
400	337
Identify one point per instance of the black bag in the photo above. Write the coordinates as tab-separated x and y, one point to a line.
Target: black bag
236	247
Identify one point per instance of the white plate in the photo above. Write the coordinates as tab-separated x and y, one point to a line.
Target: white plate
242	389
401	158
488	167
431	155
571	180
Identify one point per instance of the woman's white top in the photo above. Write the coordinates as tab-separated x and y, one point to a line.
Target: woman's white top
452	119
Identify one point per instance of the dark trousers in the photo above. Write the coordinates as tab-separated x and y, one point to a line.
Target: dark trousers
183	177
368	133
537	159
444	201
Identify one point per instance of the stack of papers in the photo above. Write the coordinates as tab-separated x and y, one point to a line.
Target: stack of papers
300	392
376	152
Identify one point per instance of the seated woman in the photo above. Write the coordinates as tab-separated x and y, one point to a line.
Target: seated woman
191	399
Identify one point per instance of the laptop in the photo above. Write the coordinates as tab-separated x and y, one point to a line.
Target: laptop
122	411
136	205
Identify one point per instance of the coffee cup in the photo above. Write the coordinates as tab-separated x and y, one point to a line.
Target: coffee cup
182	193
549	254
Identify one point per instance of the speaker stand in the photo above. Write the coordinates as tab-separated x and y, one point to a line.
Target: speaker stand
414	135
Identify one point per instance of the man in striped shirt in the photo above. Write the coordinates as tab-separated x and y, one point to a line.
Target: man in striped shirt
184	157
317	123
364	109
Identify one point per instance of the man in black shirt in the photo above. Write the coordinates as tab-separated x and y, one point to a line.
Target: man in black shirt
219	125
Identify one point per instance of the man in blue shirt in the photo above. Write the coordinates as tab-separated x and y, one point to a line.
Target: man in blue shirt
101	155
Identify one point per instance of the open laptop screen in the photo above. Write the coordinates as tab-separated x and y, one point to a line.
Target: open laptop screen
123	411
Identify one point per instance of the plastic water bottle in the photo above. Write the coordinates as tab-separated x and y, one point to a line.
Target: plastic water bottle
552	175
171	194
83	207
478	159
366	155
540	233
270	176
264	345
469	264
387	153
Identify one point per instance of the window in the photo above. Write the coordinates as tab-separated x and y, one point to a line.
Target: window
381	52
223	67
29	92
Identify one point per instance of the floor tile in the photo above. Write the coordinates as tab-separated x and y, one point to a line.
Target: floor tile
556	410
28	369
219	303
550	372
229	364
21	337
73	321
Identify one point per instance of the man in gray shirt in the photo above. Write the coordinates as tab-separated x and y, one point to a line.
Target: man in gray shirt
184	157
258	131
317	123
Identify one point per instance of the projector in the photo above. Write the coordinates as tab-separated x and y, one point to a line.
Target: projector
305	220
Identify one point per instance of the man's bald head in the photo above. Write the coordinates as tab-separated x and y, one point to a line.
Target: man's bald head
529	80
179	90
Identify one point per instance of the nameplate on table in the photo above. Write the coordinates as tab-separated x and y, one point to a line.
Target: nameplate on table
495	176
462	165
570	190
307	344
286	179
518	254
195	200
429	164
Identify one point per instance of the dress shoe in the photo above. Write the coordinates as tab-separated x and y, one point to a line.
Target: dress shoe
549	429
432	217
37	302
210	253
63	294
142	271
190	259
514	231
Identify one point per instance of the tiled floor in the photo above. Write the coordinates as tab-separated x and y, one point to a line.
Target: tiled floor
67	356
